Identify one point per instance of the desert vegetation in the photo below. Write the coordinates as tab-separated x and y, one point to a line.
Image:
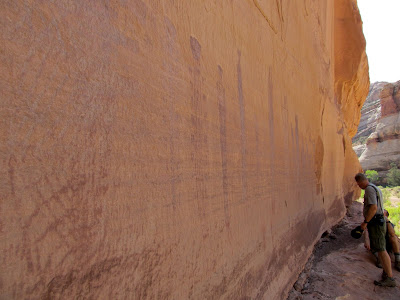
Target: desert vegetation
390	179
393	176
362	140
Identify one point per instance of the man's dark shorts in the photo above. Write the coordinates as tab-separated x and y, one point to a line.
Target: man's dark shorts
377	235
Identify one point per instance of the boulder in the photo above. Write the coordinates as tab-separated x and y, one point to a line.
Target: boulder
359	149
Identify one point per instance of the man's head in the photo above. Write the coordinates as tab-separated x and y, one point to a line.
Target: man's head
361	180
386	213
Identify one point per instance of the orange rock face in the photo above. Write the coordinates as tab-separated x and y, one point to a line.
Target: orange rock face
351	65
173	149
390	99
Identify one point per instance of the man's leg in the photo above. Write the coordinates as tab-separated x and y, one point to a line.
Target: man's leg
378	242
386	263
394	242
387	276
377	263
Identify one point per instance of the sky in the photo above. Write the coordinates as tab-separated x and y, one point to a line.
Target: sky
381	28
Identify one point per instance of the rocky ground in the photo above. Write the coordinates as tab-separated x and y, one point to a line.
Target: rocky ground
341	268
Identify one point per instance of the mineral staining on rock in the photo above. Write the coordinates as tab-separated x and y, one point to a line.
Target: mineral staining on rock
187	149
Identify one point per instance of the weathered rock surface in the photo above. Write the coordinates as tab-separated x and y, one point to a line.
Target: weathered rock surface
390	99
173	149
370	112
383	145
359	149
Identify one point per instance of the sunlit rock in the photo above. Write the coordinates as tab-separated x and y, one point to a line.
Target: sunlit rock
173	149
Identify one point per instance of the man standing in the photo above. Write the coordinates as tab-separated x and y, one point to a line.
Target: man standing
375	222
392	243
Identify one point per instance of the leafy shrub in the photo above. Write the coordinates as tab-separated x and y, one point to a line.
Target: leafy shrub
372	175
393	176
394	217
392	208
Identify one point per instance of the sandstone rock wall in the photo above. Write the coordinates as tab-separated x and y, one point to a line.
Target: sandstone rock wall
351	64
173	149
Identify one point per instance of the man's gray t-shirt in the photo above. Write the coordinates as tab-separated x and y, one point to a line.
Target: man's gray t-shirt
370	198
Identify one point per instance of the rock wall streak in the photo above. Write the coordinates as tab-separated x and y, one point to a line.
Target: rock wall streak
173	149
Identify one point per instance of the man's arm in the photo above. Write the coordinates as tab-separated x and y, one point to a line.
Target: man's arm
372	208
392	237
367	243
370	199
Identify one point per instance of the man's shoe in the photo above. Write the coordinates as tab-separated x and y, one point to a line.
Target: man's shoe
397	265
388	282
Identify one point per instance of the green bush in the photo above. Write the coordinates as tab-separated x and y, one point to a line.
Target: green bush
392	208
372	175
394	217
393	176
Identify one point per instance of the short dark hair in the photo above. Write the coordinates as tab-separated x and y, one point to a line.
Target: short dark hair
360	177
387	212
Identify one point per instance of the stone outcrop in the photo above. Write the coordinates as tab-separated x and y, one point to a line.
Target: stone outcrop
370	112
383	145
390	99
359	149
173	149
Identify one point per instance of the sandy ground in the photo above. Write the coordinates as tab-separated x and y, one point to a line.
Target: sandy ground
342	268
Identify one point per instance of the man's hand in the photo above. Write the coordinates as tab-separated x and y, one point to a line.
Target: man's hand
363	225
367	246
367	243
